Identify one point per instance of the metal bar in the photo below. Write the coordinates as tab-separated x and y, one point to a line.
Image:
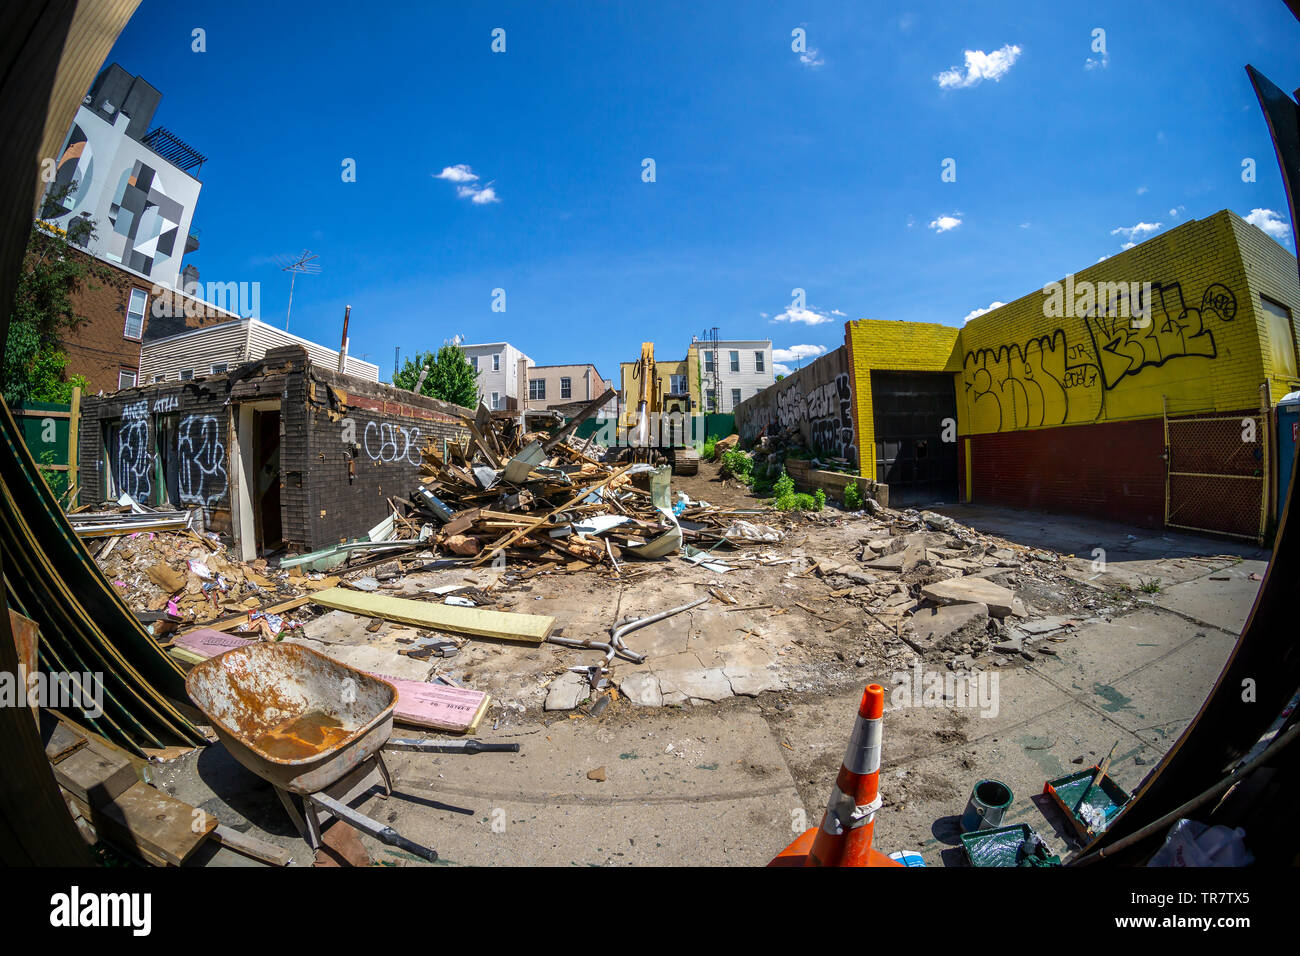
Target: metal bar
1192	527
382	833
1204	474
422	746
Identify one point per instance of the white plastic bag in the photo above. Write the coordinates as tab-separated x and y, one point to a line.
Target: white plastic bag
1194	844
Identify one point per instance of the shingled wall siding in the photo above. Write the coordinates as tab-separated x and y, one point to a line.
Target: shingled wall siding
363	443
202	421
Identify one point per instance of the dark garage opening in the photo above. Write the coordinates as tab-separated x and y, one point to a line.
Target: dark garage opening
910	411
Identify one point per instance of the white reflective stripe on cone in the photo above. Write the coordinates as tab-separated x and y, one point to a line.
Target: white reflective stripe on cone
863	753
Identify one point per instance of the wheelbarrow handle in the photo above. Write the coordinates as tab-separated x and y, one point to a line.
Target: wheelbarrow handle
382	833
418	745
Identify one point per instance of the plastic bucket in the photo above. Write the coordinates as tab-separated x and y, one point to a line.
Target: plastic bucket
989	800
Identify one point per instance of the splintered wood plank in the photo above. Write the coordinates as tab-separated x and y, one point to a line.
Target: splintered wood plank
153	824
62	741
95	774
530	628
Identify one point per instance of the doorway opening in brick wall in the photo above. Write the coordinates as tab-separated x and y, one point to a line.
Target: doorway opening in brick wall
258	522
909	410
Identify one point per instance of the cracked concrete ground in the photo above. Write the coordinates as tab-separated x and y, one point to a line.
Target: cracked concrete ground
731	782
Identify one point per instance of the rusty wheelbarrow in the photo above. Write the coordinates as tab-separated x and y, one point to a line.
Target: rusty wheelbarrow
311	727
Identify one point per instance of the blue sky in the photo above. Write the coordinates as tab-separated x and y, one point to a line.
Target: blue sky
774	170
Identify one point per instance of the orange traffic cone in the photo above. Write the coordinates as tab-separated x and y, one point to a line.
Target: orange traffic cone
844	837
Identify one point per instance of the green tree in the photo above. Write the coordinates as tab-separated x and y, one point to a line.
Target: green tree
450	376
43	312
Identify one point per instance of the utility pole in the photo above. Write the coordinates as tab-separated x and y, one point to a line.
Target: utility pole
343	347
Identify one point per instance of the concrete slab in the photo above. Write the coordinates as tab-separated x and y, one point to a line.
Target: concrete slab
693	786
1210	598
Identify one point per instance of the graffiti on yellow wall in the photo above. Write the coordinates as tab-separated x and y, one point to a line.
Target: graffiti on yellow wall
1170	331
1059	378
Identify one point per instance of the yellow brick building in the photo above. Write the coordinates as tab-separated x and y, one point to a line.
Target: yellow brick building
1126	390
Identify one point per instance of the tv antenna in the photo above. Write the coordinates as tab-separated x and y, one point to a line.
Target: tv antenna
306	264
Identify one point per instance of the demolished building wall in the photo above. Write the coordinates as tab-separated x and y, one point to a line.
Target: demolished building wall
330	452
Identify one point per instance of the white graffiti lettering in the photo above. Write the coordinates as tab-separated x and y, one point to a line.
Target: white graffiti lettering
387	443
201	455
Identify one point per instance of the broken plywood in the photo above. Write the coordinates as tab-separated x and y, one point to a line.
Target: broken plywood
529	628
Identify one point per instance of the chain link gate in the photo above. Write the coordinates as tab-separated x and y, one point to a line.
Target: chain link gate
1216	477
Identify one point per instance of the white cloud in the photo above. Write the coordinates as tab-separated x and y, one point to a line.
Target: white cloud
978	312
1135	234
811	59
806	316
836	312
1177	211
1272	223
1141	190
780	369
467	187
944	223
478	196
797	353
460	173
1100	63
980	66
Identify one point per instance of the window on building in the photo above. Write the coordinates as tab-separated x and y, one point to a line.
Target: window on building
126	379
758	362
735	397
473	360
735	361
220	367
158	378
187	374
135	314
566	388
708	361
496	362
677	384
536	389
1281	337
711	402
496	401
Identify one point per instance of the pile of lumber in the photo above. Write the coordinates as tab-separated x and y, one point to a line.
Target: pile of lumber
544	500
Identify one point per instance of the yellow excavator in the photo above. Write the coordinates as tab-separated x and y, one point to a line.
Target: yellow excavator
655	420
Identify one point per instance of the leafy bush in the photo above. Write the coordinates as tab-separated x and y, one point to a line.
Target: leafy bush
739	465
783	489
820	498
853	497
710	448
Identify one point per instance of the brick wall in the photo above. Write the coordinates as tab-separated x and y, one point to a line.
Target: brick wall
346	445
363	442
98	347
816	399
1111	470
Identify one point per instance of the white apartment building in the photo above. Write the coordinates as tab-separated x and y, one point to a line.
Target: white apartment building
732	370
499	366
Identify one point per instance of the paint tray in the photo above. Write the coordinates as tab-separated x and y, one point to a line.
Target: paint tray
1107	796
999	846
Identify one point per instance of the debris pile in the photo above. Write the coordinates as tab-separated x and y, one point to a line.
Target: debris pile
173	579
949	592
559	503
